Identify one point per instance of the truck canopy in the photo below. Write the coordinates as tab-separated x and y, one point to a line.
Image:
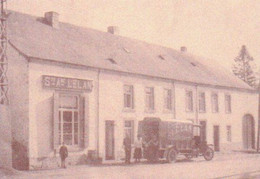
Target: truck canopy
168	132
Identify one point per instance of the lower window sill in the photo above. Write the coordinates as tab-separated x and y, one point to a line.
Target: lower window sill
202	112
167	111
150	111
128	110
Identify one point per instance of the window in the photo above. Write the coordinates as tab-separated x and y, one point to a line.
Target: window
168	99
214	99
202	102
228	103
128	97
129	129
189	101
69	119
149	98
229	139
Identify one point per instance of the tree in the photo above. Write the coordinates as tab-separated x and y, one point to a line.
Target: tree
243	69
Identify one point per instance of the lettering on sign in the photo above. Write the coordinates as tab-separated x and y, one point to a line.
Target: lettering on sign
62	83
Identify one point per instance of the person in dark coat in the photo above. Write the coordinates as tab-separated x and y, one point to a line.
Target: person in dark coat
127	146
154	148
63	155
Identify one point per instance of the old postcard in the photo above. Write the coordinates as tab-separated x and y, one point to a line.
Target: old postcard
129	89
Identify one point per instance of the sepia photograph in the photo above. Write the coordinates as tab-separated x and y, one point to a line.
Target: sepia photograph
130	89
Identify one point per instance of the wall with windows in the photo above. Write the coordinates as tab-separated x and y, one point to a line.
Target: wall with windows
41	110
113	91
215	107
227	114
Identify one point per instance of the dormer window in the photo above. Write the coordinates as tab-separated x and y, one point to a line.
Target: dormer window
193	64
126	50
161	57
111	60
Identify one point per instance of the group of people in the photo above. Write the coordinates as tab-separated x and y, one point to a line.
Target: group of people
128	149
151	146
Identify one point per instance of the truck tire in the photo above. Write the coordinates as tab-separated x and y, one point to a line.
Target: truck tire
208	154
172	155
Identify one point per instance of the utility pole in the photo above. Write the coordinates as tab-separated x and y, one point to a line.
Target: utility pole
258	130
3	57
5	123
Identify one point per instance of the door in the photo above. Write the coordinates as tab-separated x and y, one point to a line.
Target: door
110	148
216	138
248	132
203	132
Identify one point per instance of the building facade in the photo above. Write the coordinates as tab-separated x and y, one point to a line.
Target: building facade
91	102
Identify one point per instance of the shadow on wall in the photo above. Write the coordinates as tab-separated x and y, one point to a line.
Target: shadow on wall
20	156
44	111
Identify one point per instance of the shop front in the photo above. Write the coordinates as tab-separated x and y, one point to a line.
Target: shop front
62	110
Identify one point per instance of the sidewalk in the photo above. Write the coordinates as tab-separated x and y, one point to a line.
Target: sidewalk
232	164
218	156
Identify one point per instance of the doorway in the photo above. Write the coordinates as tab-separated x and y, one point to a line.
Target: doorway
110	143
203	131
248	132
216	138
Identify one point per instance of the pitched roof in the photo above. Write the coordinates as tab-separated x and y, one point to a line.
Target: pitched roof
88	47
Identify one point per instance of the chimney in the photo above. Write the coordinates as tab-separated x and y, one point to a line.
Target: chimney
52	19
183	49
113	30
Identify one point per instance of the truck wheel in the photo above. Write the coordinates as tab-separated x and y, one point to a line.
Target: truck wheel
208	154
172	155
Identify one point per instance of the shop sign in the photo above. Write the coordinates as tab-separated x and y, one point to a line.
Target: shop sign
62	83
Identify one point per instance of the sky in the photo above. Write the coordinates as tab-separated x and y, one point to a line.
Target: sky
215	29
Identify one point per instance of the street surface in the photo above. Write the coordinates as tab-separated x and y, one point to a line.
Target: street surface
235	165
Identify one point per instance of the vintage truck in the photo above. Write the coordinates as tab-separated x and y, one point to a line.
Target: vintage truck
167	139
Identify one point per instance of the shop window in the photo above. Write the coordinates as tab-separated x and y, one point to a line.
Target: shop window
189	101
69	122
129	129
167	99
202	102
149	98
228	103
128	97
214	101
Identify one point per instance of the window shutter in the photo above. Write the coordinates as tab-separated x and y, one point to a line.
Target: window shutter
56	120
82	122
187	101
133	131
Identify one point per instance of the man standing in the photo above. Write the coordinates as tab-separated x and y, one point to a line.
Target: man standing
63	155
138	149
154	148
127	145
